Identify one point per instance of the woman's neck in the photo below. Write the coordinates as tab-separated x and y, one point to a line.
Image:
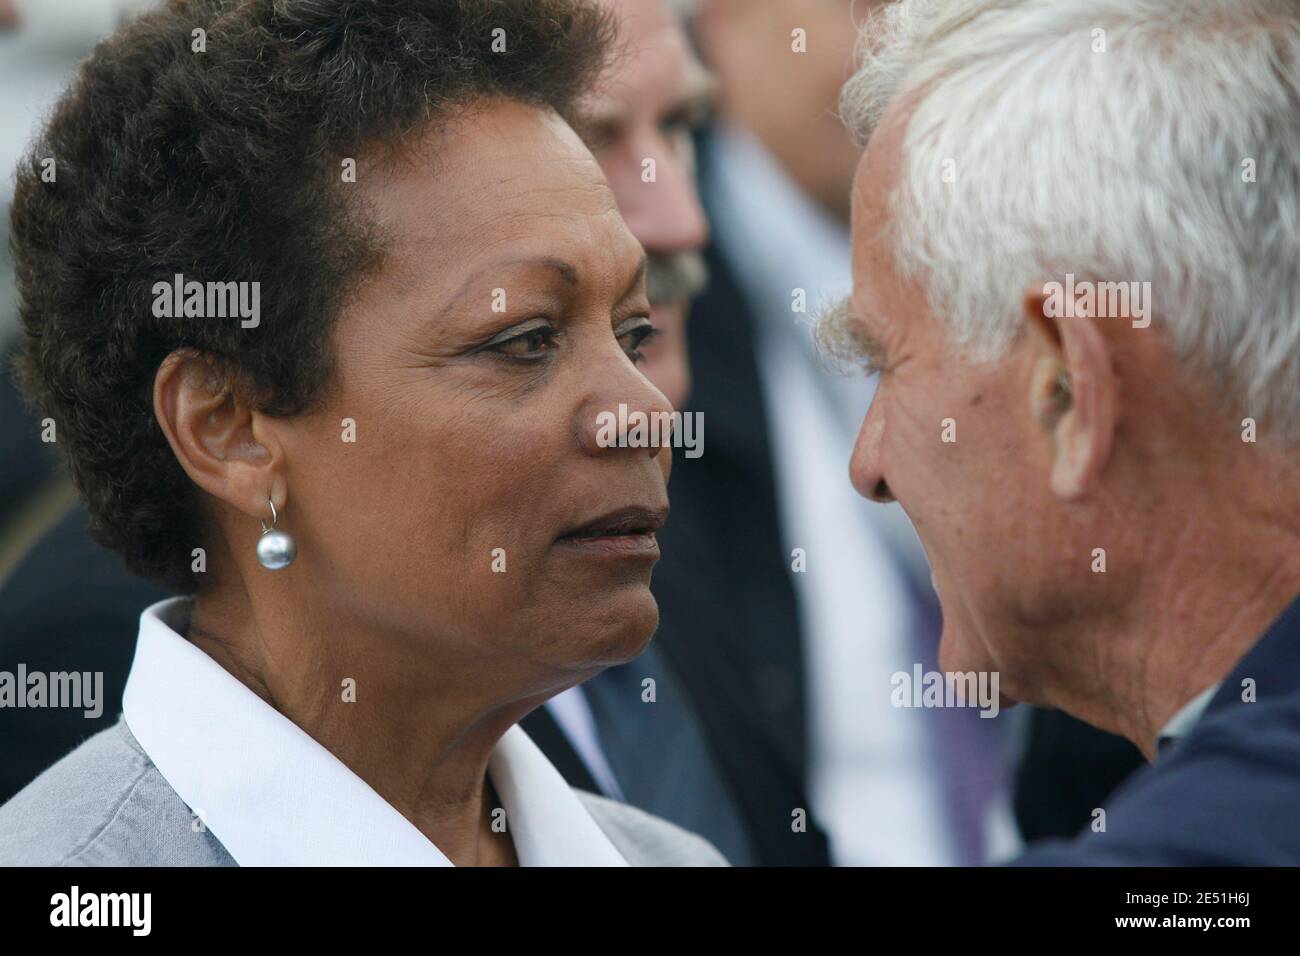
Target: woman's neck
411	727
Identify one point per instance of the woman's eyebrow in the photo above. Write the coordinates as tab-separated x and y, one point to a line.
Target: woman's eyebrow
636	278
566	270
561	267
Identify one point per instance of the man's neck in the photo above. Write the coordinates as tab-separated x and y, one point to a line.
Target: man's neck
1216	590
1210	566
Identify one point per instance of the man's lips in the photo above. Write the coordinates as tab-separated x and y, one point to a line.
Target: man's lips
623	531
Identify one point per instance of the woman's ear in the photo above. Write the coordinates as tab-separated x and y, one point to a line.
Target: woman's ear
1073	394
222	444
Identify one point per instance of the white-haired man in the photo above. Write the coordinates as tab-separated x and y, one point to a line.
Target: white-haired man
1077	269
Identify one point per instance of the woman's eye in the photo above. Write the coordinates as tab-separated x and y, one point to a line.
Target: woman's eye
633	339
532	344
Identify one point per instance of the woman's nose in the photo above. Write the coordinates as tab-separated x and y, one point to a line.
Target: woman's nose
866	466
628	414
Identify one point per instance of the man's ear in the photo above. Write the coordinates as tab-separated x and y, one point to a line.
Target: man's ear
224	446
1074	394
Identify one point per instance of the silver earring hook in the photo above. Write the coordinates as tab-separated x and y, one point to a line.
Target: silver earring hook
275	548
274	517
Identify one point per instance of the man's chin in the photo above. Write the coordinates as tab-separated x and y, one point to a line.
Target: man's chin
955	659
954	653
959	654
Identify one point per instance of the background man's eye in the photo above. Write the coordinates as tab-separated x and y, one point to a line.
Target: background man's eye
677	132
686	118
601	136
675	126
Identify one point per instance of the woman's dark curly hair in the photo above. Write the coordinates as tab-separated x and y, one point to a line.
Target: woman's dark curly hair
226	165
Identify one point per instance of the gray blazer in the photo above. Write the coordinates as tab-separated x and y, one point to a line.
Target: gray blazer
106	804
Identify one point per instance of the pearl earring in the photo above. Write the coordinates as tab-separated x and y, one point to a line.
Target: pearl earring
275	549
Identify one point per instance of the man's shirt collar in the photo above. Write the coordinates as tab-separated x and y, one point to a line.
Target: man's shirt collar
1269	672
1181	723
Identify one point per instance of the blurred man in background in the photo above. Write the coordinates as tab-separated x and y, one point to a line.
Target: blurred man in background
641	121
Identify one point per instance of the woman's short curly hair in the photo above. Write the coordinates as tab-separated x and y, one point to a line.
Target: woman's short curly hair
226	165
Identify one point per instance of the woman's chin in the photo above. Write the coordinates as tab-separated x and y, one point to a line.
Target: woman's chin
621	630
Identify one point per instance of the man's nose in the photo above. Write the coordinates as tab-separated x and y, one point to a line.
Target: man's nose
665	215
866	466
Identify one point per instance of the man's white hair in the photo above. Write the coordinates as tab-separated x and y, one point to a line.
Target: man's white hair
1113	139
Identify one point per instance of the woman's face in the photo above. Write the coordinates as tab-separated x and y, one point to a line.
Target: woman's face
474	364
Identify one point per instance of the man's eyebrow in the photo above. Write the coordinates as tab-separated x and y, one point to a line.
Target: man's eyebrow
692	105
697	96
844	339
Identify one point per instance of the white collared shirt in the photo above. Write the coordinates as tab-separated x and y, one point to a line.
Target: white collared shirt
1187	717
273	796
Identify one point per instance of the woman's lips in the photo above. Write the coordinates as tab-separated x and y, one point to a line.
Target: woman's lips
625	532
642	544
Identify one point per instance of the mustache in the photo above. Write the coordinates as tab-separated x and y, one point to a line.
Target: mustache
679	277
